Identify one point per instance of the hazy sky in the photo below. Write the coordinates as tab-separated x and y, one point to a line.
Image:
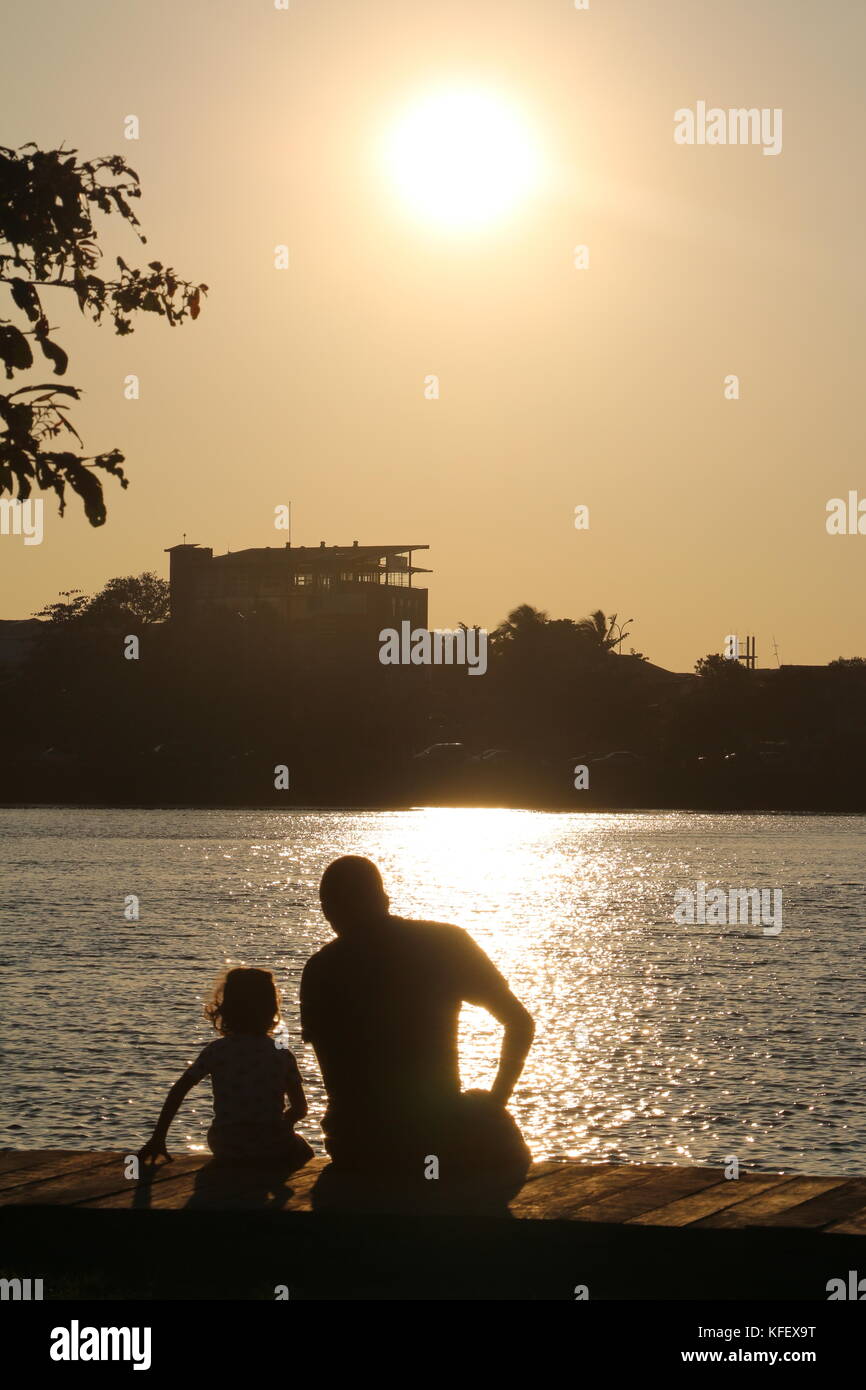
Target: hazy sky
558	386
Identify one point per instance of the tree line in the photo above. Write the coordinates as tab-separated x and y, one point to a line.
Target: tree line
204	716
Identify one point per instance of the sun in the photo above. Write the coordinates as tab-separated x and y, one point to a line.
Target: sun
462	158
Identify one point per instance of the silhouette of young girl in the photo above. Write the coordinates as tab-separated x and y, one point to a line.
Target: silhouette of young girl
251	1075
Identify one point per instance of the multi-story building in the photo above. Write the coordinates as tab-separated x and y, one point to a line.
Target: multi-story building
313	589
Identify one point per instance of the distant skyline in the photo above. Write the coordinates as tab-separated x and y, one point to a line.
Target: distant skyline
558	387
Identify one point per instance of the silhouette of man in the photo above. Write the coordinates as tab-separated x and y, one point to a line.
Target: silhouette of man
380	1004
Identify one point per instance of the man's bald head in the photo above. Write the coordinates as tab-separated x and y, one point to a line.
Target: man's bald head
352	894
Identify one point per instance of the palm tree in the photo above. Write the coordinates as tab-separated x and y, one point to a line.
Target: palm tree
521	622
598	630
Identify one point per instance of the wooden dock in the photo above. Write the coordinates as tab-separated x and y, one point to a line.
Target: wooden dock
635	1230
636	1194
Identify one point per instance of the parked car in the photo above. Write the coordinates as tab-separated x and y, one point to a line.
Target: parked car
619	759
493	757
442	755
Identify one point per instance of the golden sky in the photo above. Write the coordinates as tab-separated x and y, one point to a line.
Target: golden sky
558	386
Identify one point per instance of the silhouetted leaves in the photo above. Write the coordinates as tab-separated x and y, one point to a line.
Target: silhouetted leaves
70	605
124	601
50	350
26	298
57	471
14	350
47	203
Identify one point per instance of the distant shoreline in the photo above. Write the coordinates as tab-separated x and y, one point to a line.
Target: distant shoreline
369	808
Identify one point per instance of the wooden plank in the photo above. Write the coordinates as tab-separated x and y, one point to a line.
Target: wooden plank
708	1200
853	1225
221	1190
59	1166
167	1191
556	1195
74	1188
563	1184
555	1165
568	1170
11	1160
757	1210
659	1187
832	1206
18	1167
302	1184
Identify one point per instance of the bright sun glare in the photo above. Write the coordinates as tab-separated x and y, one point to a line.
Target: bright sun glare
462	158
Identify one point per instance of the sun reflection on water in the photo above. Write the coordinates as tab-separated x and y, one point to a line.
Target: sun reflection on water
552	919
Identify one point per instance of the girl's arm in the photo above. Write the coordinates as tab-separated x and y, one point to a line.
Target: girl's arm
297	1100
155	1146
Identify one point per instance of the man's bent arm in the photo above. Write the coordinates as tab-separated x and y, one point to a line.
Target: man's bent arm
519	1032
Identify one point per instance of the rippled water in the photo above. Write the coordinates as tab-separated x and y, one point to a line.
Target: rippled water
654	1041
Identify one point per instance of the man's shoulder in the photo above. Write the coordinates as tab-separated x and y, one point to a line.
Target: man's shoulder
448	954
403	933
421	923
439	936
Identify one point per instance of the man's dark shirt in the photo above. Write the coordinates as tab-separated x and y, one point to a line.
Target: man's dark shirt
381	1009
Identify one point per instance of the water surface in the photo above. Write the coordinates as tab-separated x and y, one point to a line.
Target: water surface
655	1042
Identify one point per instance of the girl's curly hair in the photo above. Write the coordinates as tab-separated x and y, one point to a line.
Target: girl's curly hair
244	1000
